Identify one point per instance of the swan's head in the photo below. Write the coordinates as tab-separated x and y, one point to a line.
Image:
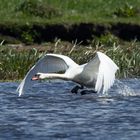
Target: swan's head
38	76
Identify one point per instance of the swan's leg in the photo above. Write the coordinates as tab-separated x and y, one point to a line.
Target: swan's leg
87	92
76	88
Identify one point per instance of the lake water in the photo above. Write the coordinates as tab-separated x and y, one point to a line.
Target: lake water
49	111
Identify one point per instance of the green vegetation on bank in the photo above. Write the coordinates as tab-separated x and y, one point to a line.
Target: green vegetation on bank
96	23
69	11
16	61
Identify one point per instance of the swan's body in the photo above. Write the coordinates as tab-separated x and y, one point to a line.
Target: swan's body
99	73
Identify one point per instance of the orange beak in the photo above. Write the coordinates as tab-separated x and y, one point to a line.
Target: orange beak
36	77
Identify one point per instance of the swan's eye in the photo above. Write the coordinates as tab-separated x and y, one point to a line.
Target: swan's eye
37	75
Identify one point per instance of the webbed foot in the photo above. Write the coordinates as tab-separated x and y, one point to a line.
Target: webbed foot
76	88
87	92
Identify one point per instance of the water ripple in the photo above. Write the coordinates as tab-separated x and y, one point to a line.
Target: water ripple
50	111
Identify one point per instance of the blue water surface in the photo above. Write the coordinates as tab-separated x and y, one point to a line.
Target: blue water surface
49	111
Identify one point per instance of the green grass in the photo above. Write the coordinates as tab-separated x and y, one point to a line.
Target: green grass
70	11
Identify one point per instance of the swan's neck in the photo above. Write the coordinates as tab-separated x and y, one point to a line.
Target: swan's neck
53	76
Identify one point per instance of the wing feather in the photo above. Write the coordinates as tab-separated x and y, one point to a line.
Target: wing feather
106	73
50	63
101	70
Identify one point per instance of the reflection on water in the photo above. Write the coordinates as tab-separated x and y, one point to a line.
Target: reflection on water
49	111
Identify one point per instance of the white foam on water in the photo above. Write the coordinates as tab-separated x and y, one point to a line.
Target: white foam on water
124	89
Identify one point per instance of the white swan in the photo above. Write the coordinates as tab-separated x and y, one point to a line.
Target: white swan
99	73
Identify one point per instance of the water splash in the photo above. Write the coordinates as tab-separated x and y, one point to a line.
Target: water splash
121	88
124	89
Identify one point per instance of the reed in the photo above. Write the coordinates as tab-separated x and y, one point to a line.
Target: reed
15	64
127	59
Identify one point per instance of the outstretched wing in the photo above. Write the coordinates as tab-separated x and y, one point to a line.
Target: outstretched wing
101	70
50	63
